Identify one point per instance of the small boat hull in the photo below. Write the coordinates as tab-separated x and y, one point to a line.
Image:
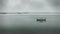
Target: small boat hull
41	19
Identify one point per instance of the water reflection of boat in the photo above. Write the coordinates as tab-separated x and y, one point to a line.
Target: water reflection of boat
41	19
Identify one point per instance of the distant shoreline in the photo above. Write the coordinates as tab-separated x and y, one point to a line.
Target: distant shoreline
31	13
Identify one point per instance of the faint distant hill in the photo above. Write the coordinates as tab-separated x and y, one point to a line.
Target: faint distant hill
3	13
13	12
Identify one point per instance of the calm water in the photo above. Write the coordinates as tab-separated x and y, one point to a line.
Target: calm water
29	23
23	20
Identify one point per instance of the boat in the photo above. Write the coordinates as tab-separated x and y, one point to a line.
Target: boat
41	19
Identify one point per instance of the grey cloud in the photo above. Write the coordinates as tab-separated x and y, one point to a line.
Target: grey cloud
37	5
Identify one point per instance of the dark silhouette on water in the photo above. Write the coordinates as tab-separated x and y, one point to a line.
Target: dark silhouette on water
41	19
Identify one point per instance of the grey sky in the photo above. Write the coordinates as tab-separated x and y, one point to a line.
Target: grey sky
30	5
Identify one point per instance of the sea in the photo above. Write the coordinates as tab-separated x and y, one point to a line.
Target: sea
27	23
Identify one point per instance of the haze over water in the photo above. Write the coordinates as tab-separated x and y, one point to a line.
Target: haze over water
12	22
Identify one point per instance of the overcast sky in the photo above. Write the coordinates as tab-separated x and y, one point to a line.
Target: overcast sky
30	5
